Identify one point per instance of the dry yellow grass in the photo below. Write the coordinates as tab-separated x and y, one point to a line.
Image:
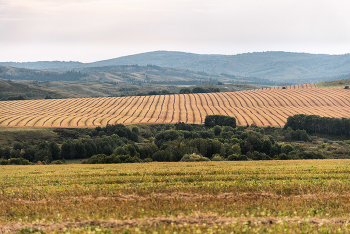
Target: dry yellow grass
263	107
302	196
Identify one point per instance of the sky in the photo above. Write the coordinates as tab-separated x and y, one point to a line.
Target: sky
93	30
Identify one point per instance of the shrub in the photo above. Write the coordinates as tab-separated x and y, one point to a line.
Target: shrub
193	158
283	156
57	162
15	161
104	159
217	157
4	162
147	160
235	157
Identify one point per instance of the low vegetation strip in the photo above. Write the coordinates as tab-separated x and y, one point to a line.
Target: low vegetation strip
309	196
248	107
197	220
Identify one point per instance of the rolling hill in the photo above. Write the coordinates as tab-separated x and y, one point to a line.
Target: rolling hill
31	91
263	107
277	66
132	74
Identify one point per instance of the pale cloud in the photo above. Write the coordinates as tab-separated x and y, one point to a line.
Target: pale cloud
90	30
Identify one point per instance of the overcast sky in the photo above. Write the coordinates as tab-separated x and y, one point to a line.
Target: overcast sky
92	30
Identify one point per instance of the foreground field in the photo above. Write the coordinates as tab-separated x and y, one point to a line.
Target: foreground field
211	197
263	107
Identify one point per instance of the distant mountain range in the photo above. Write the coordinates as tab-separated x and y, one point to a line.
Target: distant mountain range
129	74
276	66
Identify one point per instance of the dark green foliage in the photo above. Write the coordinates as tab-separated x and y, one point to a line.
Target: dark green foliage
286	149
57	162
169	135
15	153
199	90
17	146
128	149
171	143
318	124
163	156
310	155
183	126
147	151
118	129
55	151
235	157
20	97
283	156
15	161
43	155
135	130
217	130
104	159
346	87
258	156
6	153
220	120
185	91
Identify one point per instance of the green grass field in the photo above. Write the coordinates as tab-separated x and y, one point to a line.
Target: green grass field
210	197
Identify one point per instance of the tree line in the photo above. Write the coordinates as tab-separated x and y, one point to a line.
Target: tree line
317	124
218	139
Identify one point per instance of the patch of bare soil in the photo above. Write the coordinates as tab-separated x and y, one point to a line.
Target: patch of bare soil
190	220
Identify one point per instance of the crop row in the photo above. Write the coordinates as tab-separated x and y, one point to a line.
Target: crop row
262	107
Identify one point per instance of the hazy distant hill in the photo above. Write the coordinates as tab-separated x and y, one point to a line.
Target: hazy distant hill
291	67
45	65
31	91
131	74
298	67
13	73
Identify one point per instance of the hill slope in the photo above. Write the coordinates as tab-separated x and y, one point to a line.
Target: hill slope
263	107
290	67
30	91
132	74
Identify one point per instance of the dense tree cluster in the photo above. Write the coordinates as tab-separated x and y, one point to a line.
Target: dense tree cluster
317	124
218	140
219	120
100	141
199	90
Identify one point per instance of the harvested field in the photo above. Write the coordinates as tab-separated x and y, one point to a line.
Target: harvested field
262	107
309	196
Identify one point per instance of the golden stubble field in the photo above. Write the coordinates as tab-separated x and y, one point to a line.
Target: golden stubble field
262	107
310	196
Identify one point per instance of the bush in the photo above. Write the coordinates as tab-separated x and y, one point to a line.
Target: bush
15	161
104	159
193	158
4	162
57	162
147	160
217	157
283	156
235	157
346	87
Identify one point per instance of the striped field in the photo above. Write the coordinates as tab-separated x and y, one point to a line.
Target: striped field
263	107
